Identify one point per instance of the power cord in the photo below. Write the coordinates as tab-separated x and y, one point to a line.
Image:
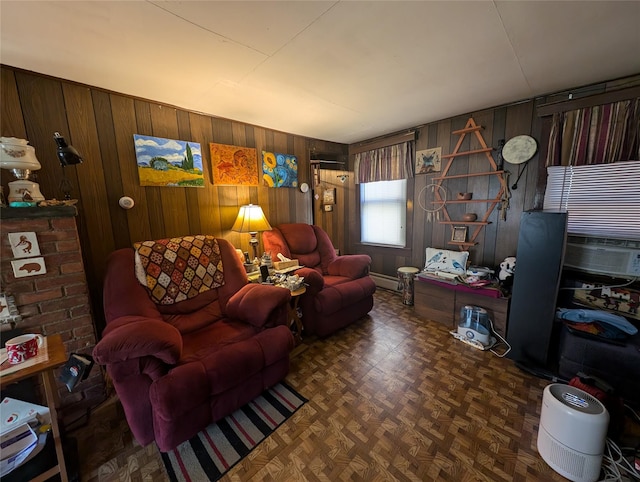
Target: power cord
614	463
615	466
500	355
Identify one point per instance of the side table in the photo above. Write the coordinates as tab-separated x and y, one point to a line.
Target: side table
56	357
295	320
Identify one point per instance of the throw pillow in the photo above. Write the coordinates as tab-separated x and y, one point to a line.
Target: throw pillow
454	262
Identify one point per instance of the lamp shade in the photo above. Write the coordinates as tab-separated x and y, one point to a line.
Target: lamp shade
16	154
251	219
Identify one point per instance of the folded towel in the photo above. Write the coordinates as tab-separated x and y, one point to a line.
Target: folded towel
588	316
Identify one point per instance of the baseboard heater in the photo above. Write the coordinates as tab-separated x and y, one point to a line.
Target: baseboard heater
385	281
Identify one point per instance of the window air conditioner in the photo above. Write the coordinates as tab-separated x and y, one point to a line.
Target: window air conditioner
595	256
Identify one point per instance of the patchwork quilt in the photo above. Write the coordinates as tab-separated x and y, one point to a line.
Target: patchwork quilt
179	269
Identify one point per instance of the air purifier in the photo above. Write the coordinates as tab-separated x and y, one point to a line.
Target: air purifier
573	432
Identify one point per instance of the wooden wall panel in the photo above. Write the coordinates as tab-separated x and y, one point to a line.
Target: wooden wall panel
112	175
123	109
101	126
518	122
94	205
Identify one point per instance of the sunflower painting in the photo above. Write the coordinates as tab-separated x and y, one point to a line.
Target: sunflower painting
279	170
234	165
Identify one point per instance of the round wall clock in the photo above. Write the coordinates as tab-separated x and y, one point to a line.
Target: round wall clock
304	187
519	149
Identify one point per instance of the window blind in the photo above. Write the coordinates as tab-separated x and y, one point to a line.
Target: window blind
600	199
383	213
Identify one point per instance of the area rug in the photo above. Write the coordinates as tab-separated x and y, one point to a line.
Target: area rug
211	453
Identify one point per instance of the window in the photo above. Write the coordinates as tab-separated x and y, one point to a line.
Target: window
601	199
383	213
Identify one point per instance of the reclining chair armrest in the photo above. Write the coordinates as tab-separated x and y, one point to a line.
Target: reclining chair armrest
313	279
350	265
255	303
134	337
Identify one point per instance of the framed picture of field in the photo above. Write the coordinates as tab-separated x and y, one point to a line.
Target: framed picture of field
168	162
234	165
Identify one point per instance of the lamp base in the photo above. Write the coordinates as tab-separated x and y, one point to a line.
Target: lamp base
17	190
254	244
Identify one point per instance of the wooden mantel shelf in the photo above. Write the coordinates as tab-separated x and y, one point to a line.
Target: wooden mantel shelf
38	212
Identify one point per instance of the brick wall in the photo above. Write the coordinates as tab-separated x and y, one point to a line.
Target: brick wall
57	301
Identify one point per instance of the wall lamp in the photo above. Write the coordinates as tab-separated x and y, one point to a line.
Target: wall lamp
68	156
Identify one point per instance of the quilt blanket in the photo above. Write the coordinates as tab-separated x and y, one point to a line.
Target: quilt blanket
178	269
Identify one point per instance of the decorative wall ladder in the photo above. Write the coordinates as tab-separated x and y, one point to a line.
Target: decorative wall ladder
470	128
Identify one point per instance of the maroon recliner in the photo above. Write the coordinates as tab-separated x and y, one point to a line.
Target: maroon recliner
180	367
340	290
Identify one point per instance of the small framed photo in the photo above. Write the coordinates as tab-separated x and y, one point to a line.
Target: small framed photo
329	196
459	234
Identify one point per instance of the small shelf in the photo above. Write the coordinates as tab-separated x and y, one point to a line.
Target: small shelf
466	130
467	153
474	174
470	128
464	201
476	223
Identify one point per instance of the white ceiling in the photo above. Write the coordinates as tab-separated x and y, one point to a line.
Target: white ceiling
342	71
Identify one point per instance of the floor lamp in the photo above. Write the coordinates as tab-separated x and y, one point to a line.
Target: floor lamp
251	220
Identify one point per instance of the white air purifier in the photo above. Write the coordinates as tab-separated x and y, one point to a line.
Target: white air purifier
573	432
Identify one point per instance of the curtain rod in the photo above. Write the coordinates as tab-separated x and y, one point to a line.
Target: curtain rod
588	101
382	142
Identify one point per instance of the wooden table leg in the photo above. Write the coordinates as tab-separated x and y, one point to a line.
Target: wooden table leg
295	320
49	383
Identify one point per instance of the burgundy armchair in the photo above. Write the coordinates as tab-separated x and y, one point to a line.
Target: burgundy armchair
180	367
340	290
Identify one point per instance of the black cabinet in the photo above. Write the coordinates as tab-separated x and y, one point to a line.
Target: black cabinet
539	259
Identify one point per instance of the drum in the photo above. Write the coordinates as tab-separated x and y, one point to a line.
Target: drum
405	283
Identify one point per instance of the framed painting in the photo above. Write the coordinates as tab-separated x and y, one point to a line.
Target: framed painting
459	234
234	165
429	160
279	170
329	196
168	162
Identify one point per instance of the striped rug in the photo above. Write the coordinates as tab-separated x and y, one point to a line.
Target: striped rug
212	452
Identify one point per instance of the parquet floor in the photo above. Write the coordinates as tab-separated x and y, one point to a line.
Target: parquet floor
391	397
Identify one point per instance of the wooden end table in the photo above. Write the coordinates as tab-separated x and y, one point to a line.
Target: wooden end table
56	357
295	320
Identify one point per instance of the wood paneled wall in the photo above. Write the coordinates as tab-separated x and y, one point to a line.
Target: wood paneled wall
101	125
497	240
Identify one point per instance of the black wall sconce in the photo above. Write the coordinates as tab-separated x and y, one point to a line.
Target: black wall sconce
68	156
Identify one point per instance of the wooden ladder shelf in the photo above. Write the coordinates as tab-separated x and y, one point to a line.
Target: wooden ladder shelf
470	128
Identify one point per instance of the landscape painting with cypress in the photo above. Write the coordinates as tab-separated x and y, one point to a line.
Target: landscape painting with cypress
168	162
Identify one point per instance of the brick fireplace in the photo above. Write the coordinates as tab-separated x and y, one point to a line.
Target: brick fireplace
58	300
